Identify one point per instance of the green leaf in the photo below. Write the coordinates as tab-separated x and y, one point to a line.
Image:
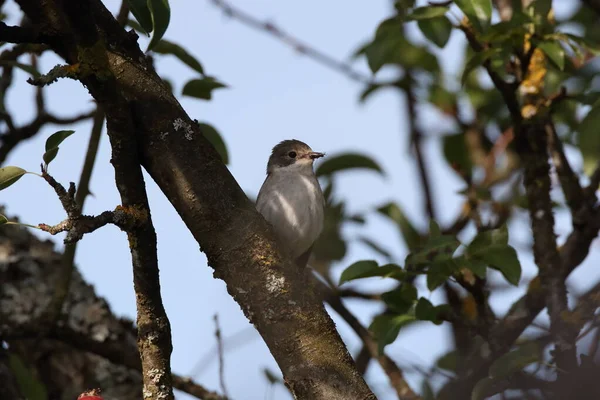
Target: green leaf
505	260
457	154
52	144
30	69
516	360
439	248
477	60
479	12
477	266
161	15
555	52
3	219
427	391
345	162
400	300
30	387
368	269
441	270
9	175
202	88
425	13
136	26
589	139
390	47
141	12
411	236
213	136
484	389
437	30
386	328
425	311
166	47
485	239
448	361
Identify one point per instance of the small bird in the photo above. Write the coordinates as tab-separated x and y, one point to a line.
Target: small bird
291	199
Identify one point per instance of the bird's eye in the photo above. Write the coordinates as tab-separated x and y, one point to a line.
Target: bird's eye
292	154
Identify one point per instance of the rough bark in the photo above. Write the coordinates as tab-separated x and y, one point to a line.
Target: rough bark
238	242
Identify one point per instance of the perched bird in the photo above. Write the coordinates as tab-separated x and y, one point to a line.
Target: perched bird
291	199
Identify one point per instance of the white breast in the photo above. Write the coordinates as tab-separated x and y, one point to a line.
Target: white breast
293	203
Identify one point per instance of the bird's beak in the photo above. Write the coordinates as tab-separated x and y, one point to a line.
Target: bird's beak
314	155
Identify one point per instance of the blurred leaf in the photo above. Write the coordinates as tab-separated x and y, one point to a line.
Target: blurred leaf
443	99
554	51
30	387
425	311
434	229
440	271
505	260
213	136
400	300
479	12
427	390
437	248
589	139
141	12
3	219
372	88
370	268
428	12
30	69
386	328
374	246
411	236
272	377
52	144
484	388
202	88
9	175
437	30
347	161
166	47
487	238
448	361
477	60
516	360
492	247
137	27
457	155
390	47
477	266
161	15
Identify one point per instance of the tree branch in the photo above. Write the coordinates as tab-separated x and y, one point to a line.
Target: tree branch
301	47
568	179
239	243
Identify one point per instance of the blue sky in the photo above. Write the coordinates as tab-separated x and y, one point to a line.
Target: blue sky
275	94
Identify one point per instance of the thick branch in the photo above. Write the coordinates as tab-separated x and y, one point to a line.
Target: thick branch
532	148
238	242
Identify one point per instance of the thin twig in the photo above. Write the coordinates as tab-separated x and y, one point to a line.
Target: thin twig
221	353
416	137
296	44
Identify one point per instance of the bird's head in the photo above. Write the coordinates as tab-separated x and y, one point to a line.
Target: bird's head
291	155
